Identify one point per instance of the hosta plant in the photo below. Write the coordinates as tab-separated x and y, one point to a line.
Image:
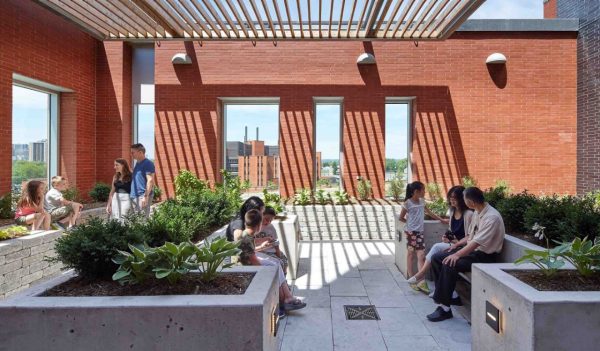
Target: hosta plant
134	265
322	197
341	197
583	254
303	197
273	200
212	255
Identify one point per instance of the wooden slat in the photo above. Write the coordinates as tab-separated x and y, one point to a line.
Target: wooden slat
401	19
442	18
160	17
362	16
300	17
341	18
354	2
330	19
373	17
238	18
93	30
386	8
175	15
150	24
84	18
448	29
411	18
309	20
268	14
207	19
392	16
421	18
248	18
432	18
289	18
108	9
216	16
99	15
281	28
199	21
260	22
227	18
320	13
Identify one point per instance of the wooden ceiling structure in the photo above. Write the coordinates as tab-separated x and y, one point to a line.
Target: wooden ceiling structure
252	20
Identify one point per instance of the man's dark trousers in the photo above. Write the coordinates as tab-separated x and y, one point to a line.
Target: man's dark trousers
446	276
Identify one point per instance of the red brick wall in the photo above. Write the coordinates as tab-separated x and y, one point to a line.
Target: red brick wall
39	44
550	9
517	123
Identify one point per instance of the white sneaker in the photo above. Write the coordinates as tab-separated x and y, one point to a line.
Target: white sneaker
412	280
431	293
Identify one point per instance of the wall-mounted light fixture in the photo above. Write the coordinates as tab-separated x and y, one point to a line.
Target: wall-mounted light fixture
492	316
496	58
366	59
181	59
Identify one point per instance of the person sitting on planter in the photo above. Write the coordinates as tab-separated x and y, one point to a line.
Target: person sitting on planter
269	233
236	226
460	219
482	245
248	257
62	211
413	214
30	208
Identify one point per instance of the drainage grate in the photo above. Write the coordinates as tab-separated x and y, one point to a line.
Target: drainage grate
361	313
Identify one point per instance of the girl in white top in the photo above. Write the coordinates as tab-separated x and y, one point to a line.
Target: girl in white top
413	214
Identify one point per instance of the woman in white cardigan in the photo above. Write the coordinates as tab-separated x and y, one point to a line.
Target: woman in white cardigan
460	219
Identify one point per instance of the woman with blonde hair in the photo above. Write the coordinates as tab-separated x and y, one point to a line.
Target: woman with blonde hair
30	208
119	201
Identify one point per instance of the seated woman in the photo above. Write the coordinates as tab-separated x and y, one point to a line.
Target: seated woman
248	257
460	218
268	233
236	226
30	208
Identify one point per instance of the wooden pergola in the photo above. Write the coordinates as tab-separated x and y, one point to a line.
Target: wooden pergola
142	20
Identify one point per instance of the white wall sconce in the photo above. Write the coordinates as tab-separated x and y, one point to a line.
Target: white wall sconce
181	59
366	59
492	316
496	58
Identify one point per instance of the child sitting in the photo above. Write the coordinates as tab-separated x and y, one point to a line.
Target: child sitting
268	233
253	223
30	209
62	211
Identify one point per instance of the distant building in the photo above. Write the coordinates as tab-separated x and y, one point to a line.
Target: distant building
235	149
260	166
38	151
20	152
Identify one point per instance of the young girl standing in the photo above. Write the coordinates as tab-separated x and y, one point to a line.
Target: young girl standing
413	214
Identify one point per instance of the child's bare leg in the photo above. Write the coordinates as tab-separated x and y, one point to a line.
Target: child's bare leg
47	220
421	259
410	257
421	273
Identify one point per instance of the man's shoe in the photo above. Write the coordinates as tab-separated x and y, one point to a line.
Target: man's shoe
423	287
440	315
456	301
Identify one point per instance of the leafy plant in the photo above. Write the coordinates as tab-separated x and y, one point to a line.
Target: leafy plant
397	189
303	197
323	183
493	195
187	185
434	190
548	261
271	186
273	200
322	197
90	247
100	192
157	193
177	222
341	197
71	194
439	207
134	266
468	181
212	255
233	188
583	254
364	189
6	206
513	209
12	232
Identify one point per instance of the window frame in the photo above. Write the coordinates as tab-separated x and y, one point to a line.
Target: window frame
410	102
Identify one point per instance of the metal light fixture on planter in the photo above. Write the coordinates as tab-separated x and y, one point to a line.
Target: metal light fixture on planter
181	59
366	59
492	316
496	58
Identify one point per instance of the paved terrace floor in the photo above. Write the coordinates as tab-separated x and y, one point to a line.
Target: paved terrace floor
334	274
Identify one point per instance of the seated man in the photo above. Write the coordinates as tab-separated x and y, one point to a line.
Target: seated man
484	242
62	211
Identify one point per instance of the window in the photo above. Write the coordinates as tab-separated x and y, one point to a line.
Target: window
34	135
397	143
143	131
328	166
252	143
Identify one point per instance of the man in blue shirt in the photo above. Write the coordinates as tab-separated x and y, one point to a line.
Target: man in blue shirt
142	180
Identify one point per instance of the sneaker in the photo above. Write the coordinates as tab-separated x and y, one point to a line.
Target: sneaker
456	301
414	287
281	313
440	315
412	280
423	287
431	293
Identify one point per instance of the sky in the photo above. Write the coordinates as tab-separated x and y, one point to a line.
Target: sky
146	128
30	115
265	117
516	9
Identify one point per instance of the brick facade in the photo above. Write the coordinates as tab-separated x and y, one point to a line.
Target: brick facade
588	90
517	123
550	9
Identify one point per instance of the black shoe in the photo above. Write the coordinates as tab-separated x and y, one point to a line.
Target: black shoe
439	315
456	301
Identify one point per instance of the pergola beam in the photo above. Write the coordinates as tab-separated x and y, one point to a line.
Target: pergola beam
158	16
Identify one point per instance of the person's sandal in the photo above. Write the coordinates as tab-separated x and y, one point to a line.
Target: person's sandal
423	287
296	304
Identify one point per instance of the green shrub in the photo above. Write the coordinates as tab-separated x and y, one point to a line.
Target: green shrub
214	205
439	207
303	197
6	211
434	190
323	183
322	197
341	197
468	181
13	231
72	194
212	255
100	192
176	222
397	189
494	195
273	200
156	193
233	188
583	254
187	185
513	209
364	189
90	247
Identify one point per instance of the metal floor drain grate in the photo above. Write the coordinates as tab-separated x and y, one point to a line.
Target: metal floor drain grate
361	313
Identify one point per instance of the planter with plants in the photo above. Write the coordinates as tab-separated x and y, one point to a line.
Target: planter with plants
548	301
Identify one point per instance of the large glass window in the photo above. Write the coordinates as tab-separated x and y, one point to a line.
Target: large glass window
34	135
397	139
144	128
252	144
327	159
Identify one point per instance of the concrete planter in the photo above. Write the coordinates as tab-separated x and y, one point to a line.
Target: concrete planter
178	322
288	232
346	222
531	319
513	248
433	232
22	261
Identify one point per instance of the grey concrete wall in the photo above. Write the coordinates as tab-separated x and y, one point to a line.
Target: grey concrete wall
23	264
348	222
433	234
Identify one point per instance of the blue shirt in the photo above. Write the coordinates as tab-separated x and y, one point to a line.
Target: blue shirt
139	177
